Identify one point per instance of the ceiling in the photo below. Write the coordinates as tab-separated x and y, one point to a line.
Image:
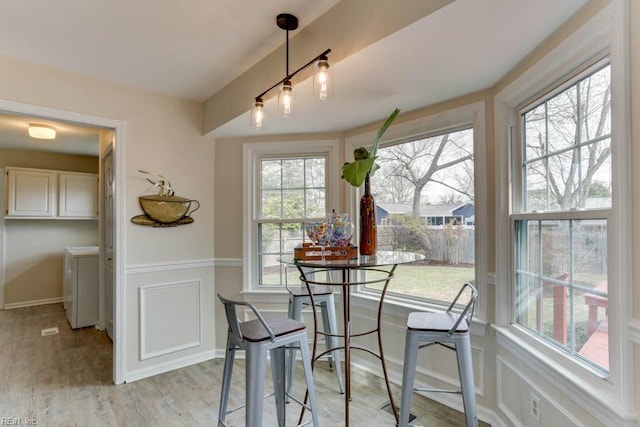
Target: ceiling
195	51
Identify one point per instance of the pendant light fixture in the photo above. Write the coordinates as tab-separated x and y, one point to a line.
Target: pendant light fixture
286	92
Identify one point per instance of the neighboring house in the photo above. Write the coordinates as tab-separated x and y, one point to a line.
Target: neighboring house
458	214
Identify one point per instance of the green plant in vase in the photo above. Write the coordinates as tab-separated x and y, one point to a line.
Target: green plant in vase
359	171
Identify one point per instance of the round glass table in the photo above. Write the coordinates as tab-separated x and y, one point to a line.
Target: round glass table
373	270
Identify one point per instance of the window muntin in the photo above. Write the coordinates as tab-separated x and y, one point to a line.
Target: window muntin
567	148
561	223
424	192
291	190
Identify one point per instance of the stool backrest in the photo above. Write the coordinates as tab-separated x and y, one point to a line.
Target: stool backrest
308	272
233	321
467	312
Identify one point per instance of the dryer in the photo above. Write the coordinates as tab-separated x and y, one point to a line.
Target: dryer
81	285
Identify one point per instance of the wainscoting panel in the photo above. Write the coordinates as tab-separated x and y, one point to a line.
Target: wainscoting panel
515	393
170	318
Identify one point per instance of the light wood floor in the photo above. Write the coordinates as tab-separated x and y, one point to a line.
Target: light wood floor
65	380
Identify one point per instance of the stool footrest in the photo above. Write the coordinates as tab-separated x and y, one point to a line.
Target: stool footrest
437	390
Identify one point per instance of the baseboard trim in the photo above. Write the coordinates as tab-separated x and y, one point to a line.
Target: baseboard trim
169	366
33	303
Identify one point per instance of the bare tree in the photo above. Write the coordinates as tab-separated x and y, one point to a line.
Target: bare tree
394	189
450	198
568	141
446	160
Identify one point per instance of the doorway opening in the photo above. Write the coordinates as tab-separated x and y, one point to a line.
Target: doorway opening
89	144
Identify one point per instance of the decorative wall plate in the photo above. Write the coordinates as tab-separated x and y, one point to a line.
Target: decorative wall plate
145	220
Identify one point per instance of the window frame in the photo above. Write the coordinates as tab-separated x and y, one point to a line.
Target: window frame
418	299
605	34
520	211
253	154
430	123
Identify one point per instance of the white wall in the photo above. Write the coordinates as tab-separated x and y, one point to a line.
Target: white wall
34	257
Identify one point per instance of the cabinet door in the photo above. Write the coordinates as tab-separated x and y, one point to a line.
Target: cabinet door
31	193
78	196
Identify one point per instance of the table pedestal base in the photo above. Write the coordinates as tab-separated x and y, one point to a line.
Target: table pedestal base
346	284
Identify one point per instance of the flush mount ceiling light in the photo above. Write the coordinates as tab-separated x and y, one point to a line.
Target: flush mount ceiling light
286	93
42	132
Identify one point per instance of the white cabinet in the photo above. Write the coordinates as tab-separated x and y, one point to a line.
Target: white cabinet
31	193
39	193
81	286
78	195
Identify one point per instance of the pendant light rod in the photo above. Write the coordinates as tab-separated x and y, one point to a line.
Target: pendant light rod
290	76
287	22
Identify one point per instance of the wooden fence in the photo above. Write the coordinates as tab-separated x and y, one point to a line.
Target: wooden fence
447	245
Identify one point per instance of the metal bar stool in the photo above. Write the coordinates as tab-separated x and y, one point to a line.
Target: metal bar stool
323	299
449	330
256	337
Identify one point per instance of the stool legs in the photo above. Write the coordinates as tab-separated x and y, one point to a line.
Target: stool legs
308	375
465	370
328	312
408	376
255	372
226	381
278	375
294	312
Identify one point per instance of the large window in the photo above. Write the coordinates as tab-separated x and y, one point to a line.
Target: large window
562	202
424	192
286	184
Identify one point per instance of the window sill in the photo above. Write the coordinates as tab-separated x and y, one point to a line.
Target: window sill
588	388
265	296
401	307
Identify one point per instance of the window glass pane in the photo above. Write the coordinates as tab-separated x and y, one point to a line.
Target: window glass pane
554	240
271	207
315	173
270	238
275	240
293	173
590	256
530	292
563	175
535	128
271	175
567	148
561	285
424	192
595	104
536	186
561	116
293	203
597	191
316	203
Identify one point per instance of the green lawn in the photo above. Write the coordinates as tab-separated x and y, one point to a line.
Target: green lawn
430	281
